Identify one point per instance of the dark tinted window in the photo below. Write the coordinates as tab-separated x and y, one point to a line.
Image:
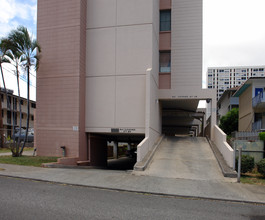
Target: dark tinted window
165	20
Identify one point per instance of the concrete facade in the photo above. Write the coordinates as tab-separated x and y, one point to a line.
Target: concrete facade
107	83
61	79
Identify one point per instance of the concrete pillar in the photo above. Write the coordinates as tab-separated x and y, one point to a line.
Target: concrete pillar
213	116
129	147
115	149
97	152
203	118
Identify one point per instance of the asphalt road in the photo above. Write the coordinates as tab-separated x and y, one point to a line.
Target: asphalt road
26	199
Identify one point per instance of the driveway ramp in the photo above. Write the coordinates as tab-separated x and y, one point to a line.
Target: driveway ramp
186	158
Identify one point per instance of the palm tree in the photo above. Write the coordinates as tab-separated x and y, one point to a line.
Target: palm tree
29	50
3	52
15	58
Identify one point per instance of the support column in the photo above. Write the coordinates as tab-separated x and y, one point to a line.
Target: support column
129	147
213	116
115	149
98	151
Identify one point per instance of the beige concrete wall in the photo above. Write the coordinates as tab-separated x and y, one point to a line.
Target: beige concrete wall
219	138
186	51
122	43
245	111
152	117
61	78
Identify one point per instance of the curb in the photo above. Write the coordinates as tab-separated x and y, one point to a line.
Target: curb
140	192
142	165
226	170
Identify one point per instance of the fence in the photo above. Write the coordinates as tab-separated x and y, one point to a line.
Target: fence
245	135
254	149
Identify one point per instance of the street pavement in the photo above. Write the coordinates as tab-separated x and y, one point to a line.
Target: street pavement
159	178
128	181
26	199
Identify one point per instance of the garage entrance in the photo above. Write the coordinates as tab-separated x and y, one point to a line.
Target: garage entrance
181	117
113	151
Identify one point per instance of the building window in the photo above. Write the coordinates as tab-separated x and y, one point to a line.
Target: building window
9	102
32	118
2	97
8	117
165	62
21	102
15	118
165	20
33	105
15	103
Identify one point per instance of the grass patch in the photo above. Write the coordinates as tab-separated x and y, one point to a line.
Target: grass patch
27	160
7	150
253	178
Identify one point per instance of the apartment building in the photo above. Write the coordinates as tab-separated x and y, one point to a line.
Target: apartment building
223	78
251	105
116	70
226	103
11	111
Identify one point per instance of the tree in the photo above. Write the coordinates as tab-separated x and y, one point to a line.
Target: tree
229	122
29	50
3	52
15	58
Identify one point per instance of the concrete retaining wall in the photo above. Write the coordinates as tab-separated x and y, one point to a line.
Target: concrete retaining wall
219	138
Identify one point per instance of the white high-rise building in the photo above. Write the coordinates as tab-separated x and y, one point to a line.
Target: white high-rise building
222	78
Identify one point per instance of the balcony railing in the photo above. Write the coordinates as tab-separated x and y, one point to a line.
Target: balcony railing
257	100
256	126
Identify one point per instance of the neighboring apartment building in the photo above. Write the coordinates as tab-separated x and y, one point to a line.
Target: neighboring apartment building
13	111
223	78
226	103
116	70
251	105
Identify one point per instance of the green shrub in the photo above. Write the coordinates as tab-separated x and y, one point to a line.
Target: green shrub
262	136
247	163
261	167
229	122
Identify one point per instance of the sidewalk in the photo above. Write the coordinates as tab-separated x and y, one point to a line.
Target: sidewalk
26	153
135	182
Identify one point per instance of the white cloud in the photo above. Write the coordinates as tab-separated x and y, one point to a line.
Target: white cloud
12	12
233	33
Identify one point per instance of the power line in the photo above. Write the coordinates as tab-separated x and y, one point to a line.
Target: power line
20	77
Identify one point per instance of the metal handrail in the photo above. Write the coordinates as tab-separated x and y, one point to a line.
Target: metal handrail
257	99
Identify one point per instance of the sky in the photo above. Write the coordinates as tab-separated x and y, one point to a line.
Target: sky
12	14
233	32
